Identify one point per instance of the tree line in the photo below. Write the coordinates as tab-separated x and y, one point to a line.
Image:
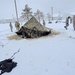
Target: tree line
39	15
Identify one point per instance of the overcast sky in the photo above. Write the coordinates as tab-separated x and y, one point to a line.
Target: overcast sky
7	7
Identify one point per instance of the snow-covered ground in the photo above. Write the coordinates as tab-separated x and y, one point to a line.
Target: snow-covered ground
43	56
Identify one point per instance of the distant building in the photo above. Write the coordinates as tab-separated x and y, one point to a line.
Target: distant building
57	17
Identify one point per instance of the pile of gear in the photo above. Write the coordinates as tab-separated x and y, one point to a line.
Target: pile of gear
7	65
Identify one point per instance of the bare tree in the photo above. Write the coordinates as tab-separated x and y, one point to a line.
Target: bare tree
26	12
39	15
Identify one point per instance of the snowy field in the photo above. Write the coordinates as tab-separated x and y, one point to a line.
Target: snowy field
43	56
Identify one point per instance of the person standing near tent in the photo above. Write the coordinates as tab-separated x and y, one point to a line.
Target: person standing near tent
74	22
44	22
17	25
71	20
67	22
11	27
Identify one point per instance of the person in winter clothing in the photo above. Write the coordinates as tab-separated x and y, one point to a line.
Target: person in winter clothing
17	25
11	27
74	22
44	22
71	20
67	22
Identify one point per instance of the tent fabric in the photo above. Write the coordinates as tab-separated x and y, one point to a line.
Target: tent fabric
33	29
34	23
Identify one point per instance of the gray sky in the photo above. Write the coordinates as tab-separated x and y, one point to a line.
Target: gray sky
7	8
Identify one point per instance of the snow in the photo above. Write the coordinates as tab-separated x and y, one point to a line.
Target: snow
51	55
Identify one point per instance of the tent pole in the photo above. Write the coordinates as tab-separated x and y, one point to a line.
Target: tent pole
16	9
